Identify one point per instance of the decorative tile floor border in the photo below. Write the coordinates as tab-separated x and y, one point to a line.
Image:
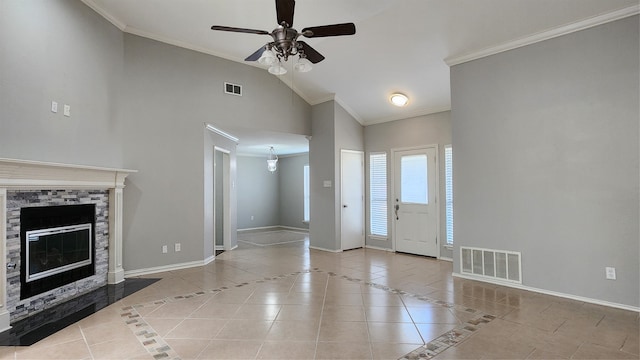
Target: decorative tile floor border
159	349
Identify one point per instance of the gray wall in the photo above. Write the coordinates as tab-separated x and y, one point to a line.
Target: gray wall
333	130
546	159
169	94
432	129
59	50
322	228
136	103
273	199
291	184
258	193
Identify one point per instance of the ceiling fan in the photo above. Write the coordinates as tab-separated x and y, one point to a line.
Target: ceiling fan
285	40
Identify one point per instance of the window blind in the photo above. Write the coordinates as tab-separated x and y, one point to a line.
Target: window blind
378	194
448	184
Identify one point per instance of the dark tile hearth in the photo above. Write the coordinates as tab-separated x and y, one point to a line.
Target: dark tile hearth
28	331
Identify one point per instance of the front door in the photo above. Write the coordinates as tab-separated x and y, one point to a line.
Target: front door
414	201
352	194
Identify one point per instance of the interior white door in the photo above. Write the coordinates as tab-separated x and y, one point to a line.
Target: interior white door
414	202
352	193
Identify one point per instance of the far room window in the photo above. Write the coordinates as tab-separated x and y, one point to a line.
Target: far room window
306	193
448	183
378	194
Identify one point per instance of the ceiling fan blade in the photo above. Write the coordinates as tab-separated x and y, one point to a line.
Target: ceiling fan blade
285	9
256	55
240	30
311	53
330	30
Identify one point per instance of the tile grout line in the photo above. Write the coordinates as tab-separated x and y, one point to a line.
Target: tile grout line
427	351
85	342
324	299
366	322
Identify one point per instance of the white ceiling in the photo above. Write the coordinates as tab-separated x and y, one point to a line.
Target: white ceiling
399	45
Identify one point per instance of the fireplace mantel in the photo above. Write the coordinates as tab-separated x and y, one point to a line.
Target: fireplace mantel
37	175
27	174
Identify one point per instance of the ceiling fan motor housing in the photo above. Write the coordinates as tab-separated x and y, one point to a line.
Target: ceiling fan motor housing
285	41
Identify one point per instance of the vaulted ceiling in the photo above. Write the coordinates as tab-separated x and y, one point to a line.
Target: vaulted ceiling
399	46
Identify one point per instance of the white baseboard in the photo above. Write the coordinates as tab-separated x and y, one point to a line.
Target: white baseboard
275	228
323	249
303	230
209	260
378	248
445	259
258	228
171	267
552	293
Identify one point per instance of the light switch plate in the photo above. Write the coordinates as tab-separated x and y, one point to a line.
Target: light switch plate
610	273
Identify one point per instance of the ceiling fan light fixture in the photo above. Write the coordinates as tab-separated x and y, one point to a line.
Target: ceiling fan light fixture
398	99
303	65
267	57
277	69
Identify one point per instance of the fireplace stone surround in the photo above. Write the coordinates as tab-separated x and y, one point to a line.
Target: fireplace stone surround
66	184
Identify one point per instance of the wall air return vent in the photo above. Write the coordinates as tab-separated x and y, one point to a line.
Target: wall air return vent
495	264
232	89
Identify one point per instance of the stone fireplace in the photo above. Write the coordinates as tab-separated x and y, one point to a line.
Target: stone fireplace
60	234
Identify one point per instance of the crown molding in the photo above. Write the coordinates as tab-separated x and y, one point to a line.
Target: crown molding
408	115
546	35
349	110
117	23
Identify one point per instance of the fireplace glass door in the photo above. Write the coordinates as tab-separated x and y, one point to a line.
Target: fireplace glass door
56	250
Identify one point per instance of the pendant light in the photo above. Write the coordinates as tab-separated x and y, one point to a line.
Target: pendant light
272	161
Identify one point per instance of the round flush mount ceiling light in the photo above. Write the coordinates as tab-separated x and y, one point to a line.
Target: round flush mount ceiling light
398	99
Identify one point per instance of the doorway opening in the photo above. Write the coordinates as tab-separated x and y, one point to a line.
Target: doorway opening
221	203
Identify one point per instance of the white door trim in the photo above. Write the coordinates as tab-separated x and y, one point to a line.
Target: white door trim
390	199
226	203
342	201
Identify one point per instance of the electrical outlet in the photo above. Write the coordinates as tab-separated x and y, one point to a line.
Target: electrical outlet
67	110
164	249
177	247
251	217
610	273
54	107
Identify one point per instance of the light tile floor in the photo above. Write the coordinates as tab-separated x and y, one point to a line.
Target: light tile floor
288	302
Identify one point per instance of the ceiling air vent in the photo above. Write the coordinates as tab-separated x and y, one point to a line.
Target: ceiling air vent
232	89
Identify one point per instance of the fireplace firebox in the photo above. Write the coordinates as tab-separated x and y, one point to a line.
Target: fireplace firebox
57	246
